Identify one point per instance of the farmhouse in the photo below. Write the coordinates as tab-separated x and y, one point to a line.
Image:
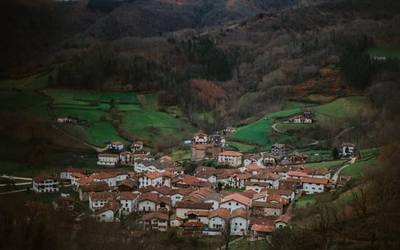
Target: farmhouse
116	146
85	190
100	199
137	146
156	221
183	207
127	202
141	166
204	151
200	138
314	185
109	213
235	201
239	222
45	184
126	158
150	179
279	150
218	218
230	158
147	202
229	130
305	118
66	175
347	150
107	160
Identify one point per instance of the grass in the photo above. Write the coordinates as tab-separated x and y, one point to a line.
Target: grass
328	164
257	132
306	201
242	147
244	244
342	108
386	51
180	155
356	170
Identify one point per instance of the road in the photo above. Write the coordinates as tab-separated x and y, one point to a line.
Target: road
335	177
13	192
16	184
16	178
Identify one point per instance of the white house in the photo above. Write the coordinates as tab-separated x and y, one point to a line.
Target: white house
239	222
156	221
347	150
314	185
111	178
238	180
141	166
200	138
218	218
147	202
150	179
66	174
126	158
99	200
128	202
107	160
230	158
108	213
45	184
116	146
235	201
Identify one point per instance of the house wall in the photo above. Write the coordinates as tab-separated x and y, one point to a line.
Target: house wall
216	223
147	206
215	204
232	205
239	226
310	188
106	216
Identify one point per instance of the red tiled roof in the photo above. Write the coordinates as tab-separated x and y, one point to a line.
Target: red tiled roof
231	153
240	212
159	216
95	187
42	178
193	205
108	196
148	197
127	196
323	181
220	212
237	197
153	175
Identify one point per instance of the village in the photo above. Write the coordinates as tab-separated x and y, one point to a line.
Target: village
242	195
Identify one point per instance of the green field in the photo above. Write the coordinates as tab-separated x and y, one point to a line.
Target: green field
306	200
242	147
138	116
342	108
180	155
327	164
257	132
386	51
244	244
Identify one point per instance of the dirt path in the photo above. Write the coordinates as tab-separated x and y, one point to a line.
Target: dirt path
346	164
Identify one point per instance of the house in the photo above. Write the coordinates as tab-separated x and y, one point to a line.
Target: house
200	138
107	160
109	213
111	178
230	158
266	177
252	168
218	218
95	187
163	204
156	221
256	186
253	159
128	185
279	150
127	202
66	174
239	222
126	158
217	140
183	207
261	227
282	221
147	202
137	146
141	166
115	146
305	118
314	185
238	180
98	200
260	208
292	174
235	201
297	158
213	198
178	195
198	215
229	130
45	184
205	151
347	150
67	119
150	179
